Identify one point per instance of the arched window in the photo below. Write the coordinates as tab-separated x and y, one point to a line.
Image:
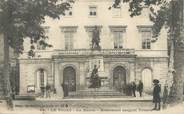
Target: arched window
41	78
147	78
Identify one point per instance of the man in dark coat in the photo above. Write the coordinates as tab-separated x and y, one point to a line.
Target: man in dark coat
165	96
133	88
156	94
65	89
140	88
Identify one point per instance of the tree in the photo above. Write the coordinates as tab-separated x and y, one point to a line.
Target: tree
168	14
23	19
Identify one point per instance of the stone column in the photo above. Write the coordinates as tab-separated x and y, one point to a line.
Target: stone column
132	72
58	79
111	70
137	72
82	75
107	70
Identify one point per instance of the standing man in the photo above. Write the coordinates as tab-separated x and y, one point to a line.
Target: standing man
156	94
140	88
133	88
48	87
165	96
65	88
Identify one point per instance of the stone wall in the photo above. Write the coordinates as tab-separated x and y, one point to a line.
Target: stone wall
158	67
28	72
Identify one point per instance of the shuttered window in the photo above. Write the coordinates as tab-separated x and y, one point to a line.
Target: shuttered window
68	40
146	40
118	39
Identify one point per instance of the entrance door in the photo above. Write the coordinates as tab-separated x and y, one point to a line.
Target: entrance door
69	79
119	78
147	79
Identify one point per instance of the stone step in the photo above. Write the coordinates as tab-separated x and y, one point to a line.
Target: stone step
25	97
88	93
1	89
1	85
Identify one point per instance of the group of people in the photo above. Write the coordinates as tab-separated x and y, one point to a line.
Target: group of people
155	93
135	87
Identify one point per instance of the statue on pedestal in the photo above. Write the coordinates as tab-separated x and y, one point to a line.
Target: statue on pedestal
95	79
96	39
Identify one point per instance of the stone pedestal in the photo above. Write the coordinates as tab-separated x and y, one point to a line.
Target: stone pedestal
98	60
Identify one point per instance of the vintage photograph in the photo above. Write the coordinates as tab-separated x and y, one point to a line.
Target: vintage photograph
91	56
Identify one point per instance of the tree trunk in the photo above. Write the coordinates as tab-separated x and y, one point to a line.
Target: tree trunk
179	51
177	87
171	65
6	70
178	78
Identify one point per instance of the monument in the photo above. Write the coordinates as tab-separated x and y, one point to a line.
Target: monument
95	79
96	39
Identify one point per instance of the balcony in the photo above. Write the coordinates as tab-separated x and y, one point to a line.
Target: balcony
80	52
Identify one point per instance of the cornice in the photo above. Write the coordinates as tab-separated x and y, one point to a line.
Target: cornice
68	28
118	28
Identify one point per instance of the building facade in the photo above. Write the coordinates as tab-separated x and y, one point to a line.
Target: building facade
128	52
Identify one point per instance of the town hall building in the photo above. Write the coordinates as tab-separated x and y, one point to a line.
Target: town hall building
127	52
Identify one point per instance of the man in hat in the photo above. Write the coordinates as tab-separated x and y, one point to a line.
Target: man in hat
156	94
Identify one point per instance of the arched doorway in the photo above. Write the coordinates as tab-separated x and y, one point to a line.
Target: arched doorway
147	79
69	79
119	78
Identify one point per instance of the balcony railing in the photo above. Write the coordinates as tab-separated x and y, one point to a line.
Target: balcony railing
94	52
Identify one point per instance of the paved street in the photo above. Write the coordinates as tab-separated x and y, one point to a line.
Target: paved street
87	105
3	105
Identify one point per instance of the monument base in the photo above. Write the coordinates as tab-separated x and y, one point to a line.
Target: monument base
96	48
